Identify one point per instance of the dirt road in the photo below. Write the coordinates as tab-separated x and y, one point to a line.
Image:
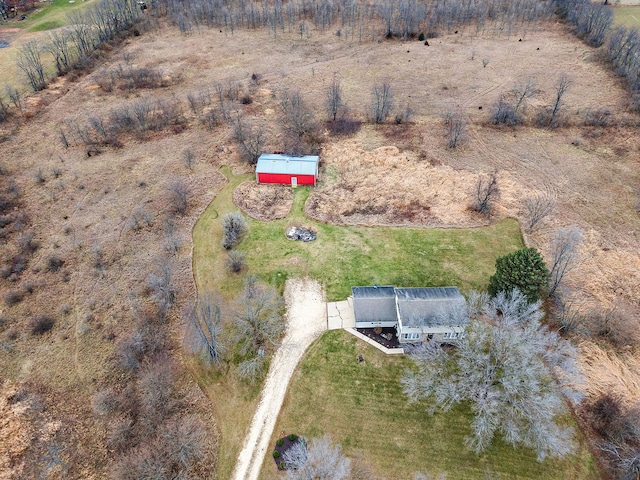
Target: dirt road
306	320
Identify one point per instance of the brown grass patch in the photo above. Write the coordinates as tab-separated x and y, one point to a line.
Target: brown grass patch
263	202
389	187
608	372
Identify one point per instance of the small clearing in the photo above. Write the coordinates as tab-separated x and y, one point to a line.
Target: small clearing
306	320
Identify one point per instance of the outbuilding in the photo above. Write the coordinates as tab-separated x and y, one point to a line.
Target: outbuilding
287	169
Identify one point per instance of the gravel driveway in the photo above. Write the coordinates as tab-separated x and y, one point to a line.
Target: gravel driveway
306	320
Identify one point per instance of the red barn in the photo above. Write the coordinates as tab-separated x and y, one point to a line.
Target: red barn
287	169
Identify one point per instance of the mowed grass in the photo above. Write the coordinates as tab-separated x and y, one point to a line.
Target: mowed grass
52	15
233	403
362	407
343	256
628	15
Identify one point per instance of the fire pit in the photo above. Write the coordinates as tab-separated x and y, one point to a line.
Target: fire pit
300	233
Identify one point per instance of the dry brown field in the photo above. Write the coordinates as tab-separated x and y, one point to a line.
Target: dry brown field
89	203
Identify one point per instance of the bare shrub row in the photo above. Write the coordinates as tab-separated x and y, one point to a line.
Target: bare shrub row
136	118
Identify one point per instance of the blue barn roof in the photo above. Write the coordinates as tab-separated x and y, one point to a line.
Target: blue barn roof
288	164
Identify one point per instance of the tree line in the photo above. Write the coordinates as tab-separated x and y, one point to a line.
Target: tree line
402	19
75	47
620	45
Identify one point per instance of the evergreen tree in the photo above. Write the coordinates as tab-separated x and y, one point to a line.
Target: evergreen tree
523	269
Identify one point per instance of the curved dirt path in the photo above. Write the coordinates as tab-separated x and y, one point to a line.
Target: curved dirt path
306	320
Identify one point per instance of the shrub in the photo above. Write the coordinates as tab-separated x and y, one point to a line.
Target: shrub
42	324
179	197
104	402
523	269
614	327
13	298
280	442
343	126
293	437
145	340
27	243
505	114
600	117
18	263
236	261
276	454
612	420
54	263
234	226
487	191
282	465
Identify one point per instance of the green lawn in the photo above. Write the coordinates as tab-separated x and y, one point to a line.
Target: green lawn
362	407
344	256
628	15
52	15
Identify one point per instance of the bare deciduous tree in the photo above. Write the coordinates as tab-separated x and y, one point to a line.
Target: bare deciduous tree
320	459
551	117
455	125
251	368
334	102
298	117
140	218
564	253
403	114
561	88
234	226
235	261
570	317
30	62
178	197
486	193
251	139
189	158
15	97
626	459
501	369
300	128
382	101
614	419
522	92
258	317
184	440
156	392
204	321
536	209
60	47
163	291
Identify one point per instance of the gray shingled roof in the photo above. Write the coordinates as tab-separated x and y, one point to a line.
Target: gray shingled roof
287	164
374	304
431	307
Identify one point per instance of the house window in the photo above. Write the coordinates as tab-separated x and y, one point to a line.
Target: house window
411	336
449	335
